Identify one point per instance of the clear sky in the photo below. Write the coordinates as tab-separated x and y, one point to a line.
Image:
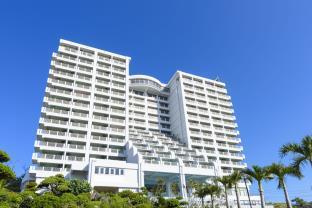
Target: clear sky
261	49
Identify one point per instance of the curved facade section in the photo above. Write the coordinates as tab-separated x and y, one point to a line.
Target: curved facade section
148	83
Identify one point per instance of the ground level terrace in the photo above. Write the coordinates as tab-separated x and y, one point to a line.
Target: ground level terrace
114	176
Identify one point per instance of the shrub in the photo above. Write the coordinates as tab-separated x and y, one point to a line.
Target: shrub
47	200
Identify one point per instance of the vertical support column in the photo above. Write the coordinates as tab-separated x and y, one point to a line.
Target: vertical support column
168	188
90	172
182	180
140	172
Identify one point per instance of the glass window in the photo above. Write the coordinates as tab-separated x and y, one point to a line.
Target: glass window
106	171
102	170
96	170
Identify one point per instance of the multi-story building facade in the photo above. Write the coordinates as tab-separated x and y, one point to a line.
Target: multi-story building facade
124	132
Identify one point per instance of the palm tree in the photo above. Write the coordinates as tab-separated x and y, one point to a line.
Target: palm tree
280	172
247	178
302	152
259	174
213	190
201	191
227	184
235	177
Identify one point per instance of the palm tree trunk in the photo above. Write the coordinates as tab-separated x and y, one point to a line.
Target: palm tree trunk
288	203
212	201
248	194
226	198
202	200
237	197
261	194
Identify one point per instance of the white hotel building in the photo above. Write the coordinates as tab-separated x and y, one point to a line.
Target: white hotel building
121	131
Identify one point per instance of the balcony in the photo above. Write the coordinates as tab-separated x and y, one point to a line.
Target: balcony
80	115
53	145
55	111
79	125
57	101
75	158
50	157
58	91
76	147
44	168
77	136
53	122
98	138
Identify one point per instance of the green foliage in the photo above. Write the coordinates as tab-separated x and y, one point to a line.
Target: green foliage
115	201
83	200
77	187
68	200
4	157
47	200
135	199
9	198
299	202
280	172
31	186
6	173
27	198
57	184
258	173
175	188
159	188
302	152
14	184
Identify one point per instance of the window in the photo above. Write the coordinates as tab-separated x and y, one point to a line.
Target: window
96	170
102	170
109	171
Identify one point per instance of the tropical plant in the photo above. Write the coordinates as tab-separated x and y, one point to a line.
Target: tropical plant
247	178
175	189
259	174
302	152
213	190
227	184
299	202
159	188
201	192
235	177
280	172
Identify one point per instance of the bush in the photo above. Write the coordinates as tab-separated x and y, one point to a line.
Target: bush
79	186
10	198
47	200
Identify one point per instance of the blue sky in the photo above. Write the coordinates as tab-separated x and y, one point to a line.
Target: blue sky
261	49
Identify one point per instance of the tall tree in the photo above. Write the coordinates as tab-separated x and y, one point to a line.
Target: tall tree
227	184
259	174
302	152
280	172
201	192
247	178
235	177
213	190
